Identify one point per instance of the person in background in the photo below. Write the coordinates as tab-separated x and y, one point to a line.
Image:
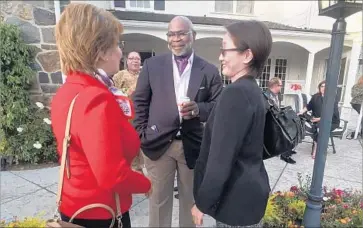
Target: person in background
126	79
230	180
103	142
174	95
316	106
273	92
357	98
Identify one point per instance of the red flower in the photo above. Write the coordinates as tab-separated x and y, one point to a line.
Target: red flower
345	206
338	192
294	188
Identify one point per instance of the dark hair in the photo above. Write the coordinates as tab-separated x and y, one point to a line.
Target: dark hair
320	84
254	35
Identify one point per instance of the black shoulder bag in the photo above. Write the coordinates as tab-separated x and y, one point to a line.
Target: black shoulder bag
284	129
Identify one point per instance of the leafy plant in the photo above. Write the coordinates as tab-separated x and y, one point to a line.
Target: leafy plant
27	222
341	208
26	132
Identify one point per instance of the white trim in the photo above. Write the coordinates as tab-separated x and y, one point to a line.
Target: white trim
221	29
57	10
218	32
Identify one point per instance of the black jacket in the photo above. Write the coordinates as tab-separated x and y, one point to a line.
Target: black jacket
230	180
316	106
156	112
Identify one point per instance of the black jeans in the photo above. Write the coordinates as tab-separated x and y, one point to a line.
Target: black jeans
100	223
315	128
356	107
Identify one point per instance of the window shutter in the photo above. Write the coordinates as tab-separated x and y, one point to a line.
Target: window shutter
159	4
120	3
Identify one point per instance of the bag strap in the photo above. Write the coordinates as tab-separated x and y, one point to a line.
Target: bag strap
269	100
66	142
65	167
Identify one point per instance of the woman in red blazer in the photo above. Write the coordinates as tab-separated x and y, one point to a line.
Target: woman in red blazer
103	142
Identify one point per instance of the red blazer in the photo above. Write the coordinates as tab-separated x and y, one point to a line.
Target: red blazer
103	145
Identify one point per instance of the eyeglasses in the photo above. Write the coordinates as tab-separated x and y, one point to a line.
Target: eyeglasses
180	34
224	50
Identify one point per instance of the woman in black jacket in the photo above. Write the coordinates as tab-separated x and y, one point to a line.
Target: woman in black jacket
230	180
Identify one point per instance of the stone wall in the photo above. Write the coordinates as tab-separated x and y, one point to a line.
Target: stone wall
36	20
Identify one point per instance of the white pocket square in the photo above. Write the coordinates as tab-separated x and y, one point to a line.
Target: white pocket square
201	88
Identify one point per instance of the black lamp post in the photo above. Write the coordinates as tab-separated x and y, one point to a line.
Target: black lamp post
338	9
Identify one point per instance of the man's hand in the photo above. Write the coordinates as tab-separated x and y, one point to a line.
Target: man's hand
189	110
197	216
314	120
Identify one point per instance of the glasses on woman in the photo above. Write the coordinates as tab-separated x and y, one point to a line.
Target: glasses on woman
224	50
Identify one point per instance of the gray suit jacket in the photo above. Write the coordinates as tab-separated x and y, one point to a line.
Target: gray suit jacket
156	112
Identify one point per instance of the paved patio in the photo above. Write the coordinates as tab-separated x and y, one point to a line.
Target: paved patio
28	193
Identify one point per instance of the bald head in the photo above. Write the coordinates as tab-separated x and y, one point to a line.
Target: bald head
181	35
186	22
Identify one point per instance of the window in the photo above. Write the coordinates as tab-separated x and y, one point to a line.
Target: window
143	4
233	6
224	6
120	3
281	71
140	4
265	76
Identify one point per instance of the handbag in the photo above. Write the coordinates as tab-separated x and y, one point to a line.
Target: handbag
284	129
56	222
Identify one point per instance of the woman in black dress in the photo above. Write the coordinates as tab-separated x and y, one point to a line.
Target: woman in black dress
230	180
316	106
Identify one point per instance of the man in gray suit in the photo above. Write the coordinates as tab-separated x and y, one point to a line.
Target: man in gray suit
171	127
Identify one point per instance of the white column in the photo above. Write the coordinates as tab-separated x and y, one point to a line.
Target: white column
57	10
309	73
351	77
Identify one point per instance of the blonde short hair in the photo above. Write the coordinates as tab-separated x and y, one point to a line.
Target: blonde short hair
83	32
273	81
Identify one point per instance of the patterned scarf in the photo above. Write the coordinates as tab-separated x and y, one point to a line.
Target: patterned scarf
121	98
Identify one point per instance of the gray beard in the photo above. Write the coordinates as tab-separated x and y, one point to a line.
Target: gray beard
187	49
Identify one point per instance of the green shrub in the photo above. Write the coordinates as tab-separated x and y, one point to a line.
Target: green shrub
26	131
26	222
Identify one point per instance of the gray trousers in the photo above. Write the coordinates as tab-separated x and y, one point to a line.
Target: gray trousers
162	175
